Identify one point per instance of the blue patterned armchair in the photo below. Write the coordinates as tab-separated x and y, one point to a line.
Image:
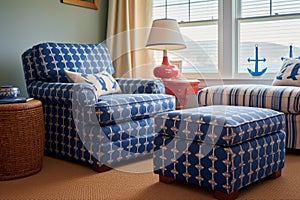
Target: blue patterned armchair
102	131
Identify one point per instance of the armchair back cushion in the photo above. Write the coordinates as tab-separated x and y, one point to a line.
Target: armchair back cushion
47	61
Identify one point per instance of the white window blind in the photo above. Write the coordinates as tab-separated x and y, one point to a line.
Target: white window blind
198	20
273	26
186	10
255	8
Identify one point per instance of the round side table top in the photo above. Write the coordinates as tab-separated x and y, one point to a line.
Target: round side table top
20	106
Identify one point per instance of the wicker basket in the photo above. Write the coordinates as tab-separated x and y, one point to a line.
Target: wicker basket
21	139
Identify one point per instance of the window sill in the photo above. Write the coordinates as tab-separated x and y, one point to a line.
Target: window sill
211	82
213	79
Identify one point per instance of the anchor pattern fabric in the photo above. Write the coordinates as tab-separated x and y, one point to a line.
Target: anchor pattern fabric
216	157
80	125
288	74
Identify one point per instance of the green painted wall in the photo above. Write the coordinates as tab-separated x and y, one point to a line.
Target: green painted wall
24	23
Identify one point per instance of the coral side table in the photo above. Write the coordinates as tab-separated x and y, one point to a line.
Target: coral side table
181	89
21	139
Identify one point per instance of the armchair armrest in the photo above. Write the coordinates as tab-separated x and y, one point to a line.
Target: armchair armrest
62	93
132	86
280	98
74	101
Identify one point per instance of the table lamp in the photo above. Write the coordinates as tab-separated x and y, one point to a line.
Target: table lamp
165	35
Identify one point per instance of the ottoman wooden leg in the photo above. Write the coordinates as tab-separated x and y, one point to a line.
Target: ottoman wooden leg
165	179
224	196
275	174
101	169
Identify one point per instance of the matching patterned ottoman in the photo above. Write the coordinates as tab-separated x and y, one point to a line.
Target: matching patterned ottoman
223	148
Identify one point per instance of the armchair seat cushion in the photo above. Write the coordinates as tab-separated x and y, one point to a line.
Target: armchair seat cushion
119	108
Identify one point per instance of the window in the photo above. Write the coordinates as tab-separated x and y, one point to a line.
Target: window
199	29
222	35
272	26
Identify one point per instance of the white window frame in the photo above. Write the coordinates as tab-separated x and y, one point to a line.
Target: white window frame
228	38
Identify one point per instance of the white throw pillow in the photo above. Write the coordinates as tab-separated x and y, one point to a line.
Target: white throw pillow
288	74
103	82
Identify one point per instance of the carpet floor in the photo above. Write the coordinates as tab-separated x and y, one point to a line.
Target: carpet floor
60	179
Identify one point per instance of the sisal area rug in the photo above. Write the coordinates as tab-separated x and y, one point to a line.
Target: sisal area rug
67	180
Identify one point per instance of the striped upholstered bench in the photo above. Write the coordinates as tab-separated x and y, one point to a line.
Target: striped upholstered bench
222	148
285	99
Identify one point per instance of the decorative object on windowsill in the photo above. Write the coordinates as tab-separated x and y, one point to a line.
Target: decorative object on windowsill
257	73
165	35
178	64
290	54
10	94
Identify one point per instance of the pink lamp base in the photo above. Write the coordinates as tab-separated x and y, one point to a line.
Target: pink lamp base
165	70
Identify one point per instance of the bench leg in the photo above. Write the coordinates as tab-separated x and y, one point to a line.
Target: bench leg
101	169
165	179
275	174
224	196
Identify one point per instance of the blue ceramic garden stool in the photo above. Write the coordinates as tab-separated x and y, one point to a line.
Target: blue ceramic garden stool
222	148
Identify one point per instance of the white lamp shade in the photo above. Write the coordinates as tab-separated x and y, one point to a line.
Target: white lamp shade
165	35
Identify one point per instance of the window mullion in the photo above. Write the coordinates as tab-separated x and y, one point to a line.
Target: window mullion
227	39
166	8
271	8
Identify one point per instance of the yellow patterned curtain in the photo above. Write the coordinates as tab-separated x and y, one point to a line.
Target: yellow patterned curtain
128	26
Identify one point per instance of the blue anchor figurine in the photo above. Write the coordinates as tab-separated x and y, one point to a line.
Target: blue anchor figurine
290	54
256	60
